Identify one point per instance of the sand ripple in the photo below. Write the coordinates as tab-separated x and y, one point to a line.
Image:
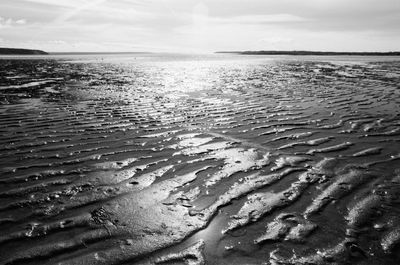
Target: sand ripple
199	162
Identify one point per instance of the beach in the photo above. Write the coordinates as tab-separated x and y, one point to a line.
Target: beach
199	159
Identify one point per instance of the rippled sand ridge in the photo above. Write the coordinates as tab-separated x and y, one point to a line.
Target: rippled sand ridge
191	160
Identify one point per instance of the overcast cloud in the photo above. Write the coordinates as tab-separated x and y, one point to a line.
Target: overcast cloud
200	26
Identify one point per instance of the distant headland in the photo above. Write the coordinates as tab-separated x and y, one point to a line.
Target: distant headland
311	53
13	51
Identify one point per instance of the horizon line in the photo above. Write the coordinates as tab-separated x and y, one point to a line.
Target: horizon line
242	52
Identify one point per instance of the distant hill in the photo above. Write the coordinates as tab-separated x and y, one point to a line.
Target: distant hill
12	51
312	53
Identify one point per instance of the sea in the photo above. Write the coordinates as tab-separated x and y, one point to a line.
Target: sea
141	158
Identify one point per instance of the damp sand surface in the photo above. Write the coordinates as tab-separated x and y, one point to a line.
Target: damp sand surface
225	159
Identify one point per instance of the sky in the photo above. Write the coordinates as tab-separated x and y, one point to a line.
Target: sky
200	26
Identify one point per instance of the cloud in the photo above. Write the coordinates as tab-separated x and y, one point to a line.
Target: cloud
276	40
264	19
201	24
77	9
62	3
9	22
20	22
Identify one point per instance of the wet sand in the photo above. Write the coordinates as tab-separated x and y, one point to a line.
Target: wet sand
199	161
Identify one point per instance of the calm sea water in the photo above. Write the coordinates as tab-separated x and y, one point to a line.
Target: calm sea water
199	159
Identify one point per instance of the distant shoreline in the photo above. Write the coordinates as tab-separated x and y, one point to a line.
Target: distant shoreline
311	53
17	51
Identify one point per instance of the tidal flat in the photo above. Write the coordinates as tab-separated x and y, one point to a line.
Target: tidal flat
218	159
